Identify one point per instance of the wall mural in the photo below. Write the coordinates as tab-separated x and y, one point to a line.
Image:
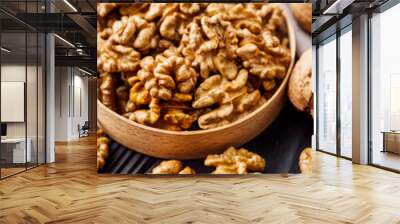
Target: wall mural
202	88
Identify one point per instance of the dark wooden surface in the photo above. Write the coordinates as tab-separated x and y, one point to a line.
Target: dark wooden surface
280	145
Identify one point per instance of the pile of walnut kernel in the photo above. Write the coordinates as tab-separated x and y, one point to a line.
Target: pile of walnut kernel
102	148
232	161
188	66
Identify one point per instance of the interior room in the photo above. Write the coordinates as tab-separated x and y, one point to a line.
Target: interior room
22	99
48	151
335	64
385	82
45	95
72	108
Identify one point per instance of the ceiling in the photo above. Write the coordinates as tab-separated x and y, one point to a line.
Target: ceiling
332	15
72	20
57	5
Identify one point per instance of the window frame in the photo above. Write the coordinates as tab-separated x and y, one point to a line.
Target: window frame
381	9
334	37
31	30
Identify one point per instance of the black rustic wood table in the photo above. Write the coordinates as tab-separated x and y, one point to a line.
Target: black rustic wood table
280	145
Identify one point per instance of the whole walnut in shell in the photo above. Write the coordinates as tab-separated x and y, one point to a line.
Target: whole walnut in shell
302	12
300	84
306	161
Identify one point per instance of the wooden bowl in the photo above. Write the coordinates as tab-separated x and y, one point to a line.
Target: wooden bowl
199	143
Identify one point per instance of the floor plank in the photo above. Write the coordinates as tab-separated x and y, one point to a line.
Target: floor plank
71	191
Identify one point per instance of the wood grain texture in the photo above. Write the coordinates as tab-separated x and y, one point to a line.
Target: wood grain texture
70	191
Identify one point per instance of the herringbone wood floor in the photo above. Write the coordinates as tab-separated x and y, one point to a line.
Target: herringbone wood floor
70	191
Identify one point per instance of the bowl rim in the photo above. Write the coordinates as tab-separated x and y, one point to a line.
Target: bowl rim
282	87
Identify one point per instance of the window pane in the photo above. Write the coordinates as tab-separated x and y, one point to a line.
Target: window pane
346	94
41	98
327	96
22	88
385	84
15	150
31	97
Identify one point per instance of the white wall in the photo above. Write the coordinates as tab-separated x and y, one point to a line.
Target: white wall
61	103
70	84
80	110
